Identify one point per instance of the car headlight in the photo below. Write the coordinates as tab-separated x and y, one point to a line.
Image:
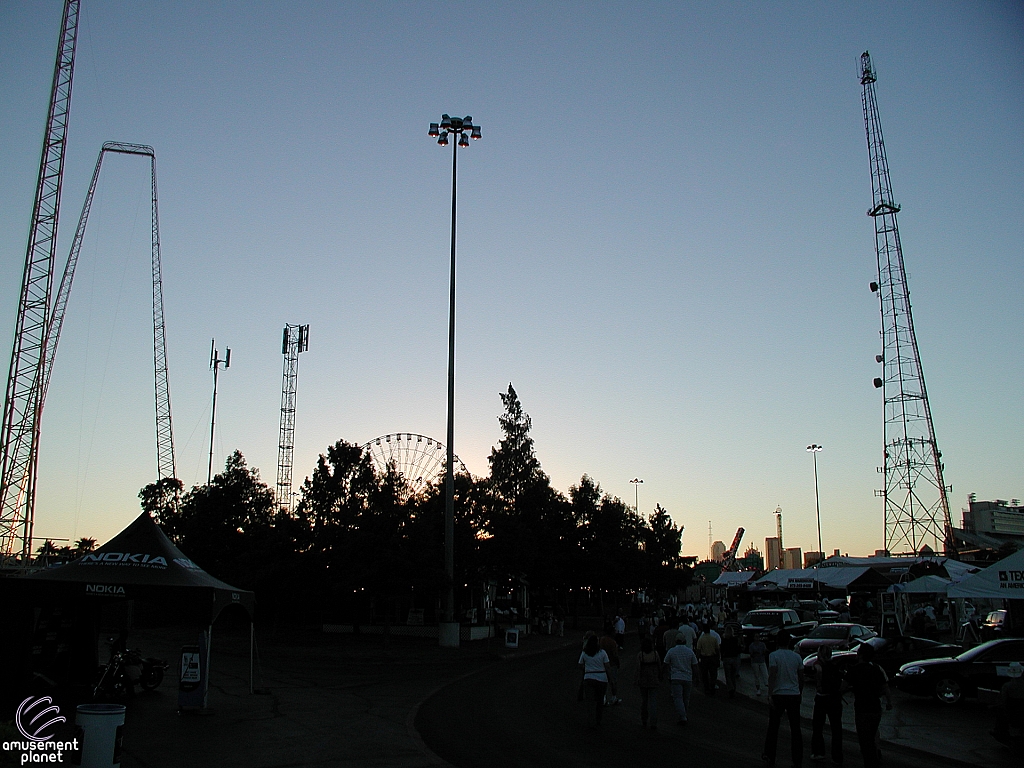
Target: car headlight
910	671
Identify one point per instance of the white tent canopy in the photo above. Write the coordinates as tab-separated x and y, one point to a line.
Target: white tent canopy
926	585
1003	580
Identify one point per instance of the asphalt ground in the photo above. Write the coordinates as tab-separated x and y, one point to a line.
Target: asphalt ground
337	700
526	713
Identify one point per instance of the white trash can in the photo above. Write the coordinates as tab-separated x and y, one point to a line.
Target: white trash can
98	730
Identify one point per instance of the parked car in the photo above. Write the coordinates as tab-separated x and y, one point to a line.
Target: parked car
838	636
951	680
891	653
994	625
771	622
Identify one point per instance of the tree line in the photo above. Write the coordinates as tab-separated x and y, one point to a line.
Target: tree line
359	543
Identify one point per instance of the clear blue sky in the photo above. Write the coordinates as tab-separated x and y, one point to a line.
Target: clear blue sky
662	241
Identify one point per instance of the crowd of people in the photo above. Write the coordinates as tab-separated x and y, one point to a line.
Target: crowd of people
690	646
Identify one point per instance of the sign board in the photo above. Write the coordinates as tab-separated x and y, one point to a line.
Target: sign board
800	584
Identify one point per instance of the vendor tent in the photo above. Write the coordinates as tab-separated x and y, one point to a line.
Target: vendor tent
734	579
56	611
926	585
141	562
1003	580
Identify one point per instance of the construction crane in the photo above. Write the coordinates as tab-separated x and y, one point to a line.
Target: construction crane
729	560
916	508
23	402
294	341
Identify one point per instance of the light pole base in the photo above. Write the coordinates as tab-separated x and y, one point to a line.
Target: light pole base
448	634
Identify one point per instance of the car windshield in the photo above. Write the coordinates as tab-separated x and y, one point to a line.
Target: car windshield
766	619
978	652
830	632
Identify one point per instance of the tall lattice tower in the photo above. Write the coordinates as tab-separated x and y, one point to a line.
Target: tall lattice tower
295	340
23	404
914	494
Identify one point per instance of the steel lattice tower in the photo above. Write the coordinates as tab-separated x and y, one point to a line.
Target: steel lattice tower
23	403
914	494
295	340
164	430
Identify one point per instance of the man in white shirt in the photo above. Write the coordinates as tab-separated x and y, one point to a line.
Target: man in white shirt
682	664
785	684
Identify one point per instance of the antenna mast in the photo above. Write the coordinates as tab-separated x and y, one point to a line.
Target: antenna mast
23	404
215	364
295	340
914	494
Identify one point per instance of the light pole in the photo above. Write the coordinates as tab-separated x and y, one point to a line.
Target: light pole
636	493
449	630
813	449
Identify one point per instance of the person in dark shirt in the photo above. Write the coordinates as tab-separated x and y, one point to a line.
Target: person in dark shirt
730	651
828	702
869	684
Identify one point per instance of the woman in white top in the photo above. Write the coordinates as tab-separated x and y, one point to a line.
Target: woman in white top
595	665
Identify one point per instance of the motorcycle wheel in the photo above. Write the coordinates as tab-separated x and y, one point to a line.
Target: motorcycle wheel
151	678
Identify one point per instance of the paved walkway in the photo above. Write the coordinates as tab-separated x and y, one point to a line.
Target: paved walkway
341	701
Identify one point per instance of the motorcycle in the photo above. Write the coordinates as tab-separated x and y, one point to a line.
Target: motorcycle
125	669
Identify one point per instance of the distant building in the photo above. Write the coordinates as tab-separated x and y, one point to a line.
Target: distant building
773	551
751	560
993	517
811	559
791	558
718	550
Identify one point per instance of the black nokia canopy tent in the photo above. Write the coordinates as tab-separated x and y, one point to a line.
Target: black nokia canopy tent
142	563
56	611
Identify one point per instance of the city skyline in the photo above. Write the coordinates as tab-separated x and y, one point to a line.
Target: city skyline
671	269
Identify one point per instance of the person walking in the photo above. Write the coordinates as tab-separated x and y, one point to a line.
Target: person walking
648	680
828	702
608	645
595	665
869	683
759	663
682	666
707	653
785	685
730	651
688	633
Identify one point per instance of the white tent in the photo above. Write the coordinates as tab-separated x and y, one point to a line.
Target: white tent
926	585
1000	581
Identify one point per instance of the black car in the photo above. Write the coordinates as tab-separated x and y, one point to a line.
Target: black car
950	680
891	653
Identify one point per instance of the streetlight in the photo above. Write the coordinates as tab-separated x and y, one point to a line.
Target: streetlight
813	449
459	126
636	493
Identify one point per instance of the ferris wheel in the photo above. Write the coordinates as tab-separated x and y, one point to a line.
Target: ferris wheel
419	459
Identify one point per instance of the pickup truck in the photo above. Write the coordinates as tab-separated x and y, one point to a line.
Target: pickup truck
770	622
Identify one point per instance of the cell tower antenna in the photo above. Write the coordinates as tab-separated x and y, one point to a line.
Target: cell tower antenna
294	341
23	402
916	508
215	363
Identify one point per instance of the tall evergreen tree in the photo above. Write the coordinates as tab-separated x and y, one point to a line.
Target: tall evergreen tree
514	464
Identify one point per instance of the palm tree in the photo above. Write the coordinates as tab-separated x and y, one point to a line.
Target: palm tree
83	546
46	551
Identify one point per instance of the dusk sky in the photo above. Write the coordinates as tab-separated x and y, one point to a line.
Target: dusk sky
662	242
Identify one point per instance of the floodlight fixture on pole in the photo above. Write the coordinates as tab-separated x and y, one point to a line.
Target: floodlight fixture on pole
813	449
459	126
215	364
636	493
